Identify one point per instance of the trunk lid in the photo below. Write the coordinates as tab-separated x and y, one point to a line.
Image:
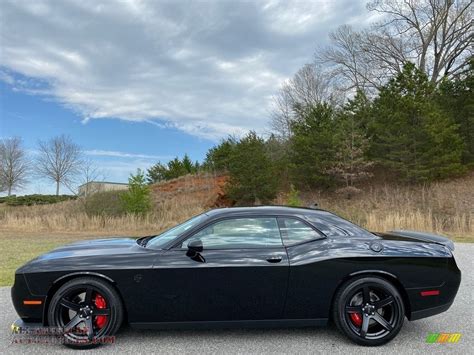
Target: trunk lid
418	236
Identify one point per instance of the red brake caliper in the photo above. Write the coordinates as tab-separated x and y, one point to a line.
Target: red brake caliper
100	303
356	319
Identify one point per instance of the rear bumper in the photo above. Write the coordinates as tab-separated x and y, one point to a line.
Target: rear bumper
430	311
424	303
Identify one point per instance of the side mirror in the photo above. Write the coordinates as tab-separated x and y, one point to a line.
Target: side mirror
195	246
194	250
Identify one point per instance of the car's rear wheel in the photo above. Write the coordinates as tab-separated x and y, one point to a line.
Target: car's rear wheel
87	310
368	310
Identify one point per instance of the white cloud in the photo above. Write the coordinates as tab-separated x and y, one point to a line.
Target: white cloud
207	68
117	154
7	78
119	171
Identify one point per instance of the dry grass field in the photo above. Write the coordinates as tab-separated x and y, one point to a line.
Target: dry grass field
444	207
26	232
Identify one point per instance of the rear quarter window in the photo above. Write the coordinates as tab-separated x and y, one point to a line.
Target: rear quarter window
295	231
335	226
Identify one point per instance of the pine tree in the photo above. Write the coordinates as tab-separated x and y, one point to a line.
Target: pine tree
174	169
277	151
456	98
252	176
156	173
351	163
218	157
137	199
410	133
313	146
188	164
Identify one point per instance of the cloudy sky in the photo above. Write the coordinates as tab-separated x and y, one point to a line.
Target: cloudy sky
135	81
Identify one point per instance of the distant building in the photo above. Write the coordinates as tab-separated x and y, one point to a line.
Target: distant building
93	187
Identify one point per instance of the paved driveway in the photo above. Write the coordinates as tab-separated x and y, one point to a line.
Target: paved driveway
458	319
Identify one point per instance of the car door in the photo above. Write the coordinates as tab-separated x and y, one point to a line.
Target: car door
308	284
240	274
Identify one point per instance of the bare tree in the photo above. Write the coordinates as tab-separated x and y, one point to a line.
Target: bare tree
282	113
14	164
436	35
59	160
309	86
352	65
88	173
2	180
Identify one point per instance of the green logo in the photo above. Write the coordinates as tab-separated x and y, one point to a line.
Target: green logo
443	338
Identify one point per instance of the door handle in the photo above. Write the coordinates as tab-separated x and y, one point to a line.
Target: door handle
274	259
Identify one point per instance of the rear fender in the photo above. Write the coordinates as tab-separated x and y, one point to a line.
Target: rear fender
385	275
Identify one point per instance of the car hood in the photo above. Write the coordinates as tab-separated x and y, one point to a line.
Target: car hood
91	247
413	236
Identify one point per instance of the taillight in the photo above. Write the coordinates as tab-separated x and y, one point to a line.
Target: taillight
429	293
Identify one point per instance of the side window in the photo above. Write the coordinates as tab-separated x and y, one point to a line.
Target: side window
329	229
239	233
335	226
295	231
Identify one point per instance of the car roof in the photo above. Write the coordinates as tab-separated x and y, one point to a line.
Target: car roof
265	210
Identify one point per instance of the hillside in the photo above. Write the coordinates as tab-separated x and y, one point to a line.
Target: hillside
206	188
381	204
443	207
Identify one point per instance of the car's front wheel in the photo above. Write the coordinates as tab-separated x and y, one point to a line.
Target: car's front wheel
368	310
87	310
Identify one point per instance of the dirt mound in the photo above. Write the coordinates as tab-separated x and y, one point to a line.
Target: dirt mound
208	188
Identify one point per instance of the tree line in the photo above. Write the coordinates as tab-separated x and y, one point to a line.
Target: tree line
58	159
396	95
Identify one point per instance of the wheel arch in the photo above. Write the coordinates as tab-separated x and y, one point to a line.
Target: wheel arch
382	274
74	275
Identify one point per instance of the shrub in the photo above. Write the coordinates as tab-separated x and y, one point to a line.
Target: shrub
293	198
137	199
105	203
36	199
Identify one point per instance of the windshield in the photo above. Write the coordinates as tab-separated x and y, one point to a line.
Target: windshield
164	238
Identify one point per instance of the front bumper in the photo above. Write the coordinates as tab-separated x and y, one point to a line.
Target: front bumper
21	295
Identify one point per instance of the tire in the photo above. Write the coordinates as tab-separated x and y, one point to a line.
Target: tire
88	311
368	310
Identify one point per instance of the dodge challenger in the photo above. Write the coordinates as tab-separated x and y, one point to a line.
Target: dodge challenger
236	267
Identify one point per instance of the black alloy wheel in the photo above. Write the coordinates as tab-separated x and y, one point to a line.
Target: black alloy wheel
369	310
87	310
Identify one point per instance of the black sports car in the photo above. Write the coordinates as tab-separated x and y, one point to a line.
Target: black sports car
256	266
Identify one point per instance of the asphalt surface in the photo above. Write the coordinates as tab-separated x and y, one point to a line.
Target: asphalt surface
411	339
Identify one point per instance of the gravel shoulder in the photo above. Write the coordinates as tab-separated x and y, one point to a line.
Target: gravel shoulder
411	339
